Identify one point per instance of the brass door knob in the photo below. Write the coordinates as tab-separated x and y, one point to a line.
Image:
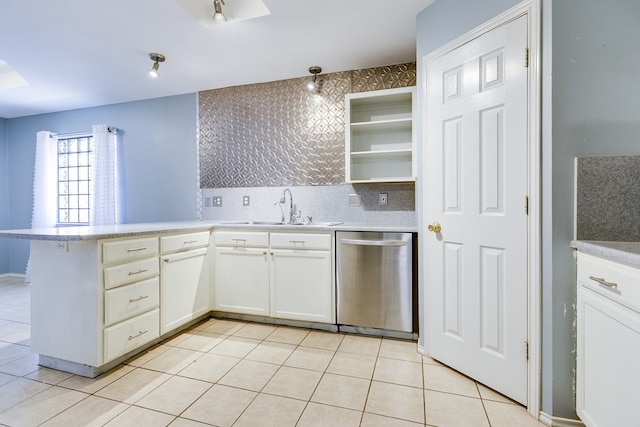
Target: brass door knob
435	227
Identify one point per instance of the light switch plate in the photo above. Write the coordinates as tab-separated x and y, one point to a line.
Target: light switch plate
355	200
383	199
246	200
207	202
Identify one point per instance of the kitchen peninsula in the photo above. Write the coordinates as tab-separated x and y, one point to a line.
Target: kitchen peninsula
97	291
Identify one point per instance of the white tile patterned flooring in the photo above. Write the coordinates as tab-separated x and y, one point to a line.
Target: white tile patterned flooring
234	373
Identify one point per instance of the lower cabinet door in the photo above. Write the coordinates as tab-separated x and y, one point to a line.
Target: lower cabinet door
184	288
301	285
608	371
242	280
126	336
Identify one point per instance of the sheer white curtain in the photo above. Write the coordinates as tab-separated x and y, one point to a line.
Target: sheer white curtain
104	177
45	181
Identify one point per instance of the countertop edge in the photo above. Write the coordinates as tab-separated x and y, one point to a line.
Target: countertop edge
131	230
623	252
103	232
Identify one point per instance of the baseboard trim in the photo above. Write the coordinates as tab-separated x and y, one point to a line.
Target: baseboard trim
13	276
558	422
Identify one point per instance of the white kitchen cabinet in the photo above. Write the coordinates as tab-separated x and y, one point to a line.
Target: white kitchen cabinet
97	300
301	285
184	279
608	342
301	276
131	334
241	271
128	301
289	277
131	298
379	137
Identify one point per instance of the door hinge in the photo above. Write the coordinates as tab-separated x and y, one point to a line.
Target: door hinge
526	205
526	349
526	57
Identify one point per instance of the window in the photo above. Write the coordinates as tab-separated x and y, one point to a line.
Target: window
74	172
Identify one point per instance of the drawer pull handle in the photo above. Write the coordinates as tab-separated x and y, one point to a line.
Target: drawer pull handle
603	282
138	299
240	241
297	241
133	273
133	337
136	249
188	242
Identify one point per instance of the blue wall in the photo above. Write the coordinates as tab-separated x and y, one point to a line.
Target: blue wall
159	151
4	196
592	68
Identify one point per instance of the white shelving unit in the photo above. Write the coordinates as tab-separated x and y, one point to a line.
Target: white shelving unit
379	143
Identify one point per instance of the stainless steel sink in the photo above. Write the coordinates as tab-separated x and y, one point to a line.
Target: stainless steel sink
317	224
320	224
253	222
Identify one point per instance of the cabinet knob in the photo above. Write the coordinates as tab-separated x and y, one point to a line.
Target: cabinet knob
435	227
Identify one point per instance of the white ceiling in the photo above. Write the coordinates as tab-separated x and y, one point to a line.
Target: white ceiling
83	53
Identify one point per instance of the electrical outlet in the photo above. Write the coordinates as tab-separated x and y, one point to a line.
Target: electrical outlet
245	200
383	199
207	202
355	200
217	201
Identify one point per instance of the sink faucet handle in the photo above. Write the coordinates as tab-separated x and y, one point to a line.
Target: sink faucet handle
308	219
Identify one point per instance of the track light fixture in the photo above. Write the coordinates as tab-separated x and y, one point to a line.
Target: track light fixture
218	16
313	85
157	58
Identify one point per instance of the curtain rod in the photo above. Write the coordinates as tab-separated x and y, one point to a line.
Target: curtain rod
110	129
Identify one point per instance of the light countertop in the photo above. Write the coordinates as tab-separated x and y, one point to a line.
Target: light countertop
130	230
623	252
103	231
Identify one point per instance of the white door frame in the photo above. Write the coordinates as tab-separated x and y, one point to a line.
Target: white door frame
532	9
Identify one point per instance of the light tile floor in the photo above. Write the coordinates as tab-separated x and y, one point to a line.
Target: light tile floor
234	373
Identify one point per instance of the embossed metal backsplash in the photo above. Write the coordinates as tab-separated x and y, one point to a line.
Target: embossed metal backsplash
278	134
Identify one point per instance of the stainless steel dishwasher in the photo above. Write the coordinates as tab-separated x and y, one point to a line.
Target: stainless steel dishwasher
375	280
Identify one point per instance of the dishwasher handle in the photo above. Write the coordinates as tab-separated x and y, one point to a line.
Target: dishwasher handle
359	242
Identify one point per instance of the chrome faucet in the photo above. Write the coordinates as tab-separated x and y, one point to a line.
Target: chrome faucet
293	218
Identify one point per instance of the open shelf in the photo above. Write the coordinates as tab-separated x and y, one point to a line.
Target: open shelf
379	145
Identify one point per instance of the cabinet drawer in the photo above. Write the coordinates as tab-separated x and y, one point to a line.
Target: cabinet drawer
123	250
180	242
623	281
130	272
256	239
301	241
131	334
131	300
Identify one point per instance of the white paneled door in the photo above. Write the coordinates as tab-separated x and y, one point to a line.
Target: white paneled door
476	188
